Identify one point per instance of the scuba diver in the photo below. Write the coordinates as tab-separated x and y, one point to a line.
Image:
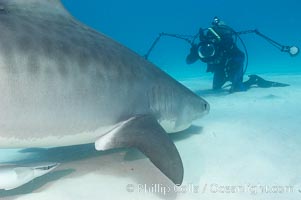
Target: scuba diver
217	47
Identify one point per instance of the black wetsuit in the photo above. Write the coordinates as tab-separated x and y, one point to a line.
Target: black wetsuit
228	62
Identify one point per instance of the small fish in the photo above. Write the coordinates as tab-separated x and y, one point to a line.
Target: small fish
14	176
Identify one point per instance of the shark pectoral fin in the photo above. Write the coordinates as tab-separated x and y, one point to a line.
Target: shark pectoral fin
144	133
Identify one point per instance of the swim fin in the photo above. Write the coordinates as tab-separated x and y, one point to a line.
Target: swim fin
262	83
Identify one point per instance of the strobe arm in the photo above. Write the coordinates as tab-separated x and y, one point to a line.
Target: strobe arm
187	38
292	50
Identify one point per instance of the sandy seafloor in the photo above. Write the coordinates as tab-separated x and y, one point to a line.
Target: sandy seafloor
250	142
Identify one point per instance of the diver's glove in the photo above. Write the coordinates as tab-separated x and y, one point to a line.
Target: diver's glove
194	48
193	55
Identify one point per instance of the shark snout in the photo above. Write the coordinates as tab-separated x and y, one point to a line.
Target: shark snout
202	109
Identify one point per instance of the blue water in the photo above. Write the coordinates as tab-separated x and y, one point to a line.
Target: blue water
136	24
265	120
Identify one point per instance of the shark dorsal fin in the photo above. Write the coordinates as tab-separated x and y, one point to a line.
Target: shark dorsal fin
42	6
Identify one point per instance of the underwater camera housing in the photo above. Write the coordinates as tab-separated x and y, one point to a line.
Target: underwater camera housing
209	50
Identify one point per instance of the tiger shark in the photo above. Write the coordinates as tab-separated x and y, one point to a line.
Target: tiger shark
63	83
